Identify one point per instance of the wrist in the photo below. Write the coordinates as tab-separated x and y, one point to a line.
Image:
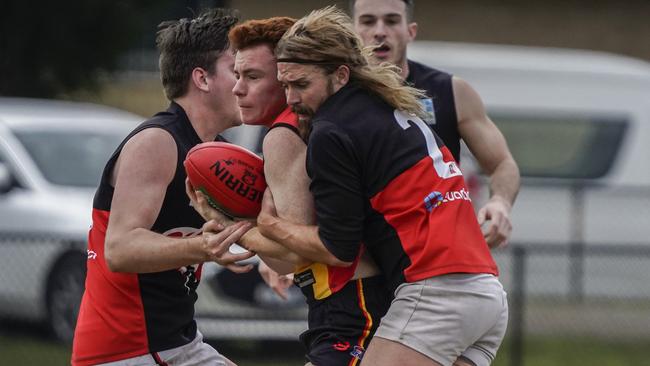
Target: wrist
248	240
197	248
502	200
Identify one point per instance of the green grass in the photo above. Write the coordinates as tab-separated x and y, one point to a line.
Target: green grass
551	351
28	351
25	350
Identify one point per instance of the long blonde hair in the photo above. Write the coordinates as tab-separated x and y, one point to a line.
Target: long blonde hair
326	38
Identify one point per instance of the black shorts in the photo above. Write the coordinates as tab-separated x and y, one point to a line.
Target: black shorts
341	326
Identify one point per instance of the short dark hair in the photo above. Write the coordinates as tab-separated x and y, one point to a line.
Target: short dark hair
409	4
189	43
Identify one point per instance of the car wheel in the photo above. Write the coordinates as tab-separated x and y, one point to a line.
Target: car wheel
64	291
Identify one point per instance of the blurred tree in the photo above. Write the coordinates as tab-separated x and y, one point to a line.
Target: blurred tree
48	47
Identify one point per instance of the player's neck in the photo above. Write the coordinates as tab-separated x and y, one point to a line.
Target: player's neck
206	121
404	67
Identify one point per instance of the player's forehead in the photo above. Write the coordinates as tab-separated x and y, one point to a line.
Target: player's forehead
379	8
288	71
256	57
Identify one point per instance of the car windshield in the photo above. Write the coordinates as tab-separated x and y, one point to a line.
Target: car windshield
70	158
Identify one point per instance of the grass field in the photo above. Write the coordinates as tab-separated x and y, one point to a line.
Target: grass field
35	350
39	351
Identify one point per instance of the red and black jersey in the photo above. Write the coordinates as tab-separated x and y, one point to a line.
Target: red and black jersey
384	178
126	315
440	102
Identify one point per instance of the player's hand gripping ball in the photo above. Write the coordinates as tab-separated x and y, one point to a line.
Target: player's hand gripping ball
230	176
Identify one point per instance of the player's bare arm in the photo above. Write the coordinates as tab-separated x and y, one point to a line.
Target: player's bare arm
488	145
286	176
299	238
143	171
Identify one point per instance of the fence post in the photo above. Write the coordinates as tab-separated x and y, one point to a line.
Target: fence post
576	248
517	305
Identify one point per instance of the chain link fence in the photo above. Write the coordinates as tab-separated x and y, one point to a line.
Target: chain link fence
573	292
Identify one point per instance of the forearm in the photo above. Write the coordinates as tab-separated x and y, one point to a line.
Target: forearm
505	181
143	251
301	239
265	247
279	266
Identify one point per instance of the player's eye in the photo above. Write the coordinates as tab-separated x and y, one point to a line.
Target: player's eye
367	21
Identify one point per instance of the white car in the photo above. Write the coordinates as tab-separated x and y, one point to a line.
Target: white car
578	123
52	154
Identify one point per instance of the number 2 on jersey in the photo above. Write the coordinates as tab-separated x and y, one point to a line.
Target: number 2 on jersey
443	169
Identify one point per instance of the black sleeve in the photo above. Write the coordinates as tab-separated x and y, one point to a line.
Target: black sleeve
336	185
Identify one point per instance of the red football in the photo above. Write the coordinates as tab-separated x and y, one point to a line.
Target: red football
231	177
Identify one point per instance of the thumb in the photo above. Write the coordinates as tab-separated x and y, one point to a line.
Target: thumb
212	226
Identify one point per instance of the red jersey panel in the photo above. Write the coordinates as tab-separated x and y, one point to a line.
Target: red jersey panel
439	231
287	119
111	316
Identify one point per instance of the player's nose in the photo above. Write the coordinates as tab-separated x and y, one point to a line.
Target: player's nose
379	31
293	97
239	89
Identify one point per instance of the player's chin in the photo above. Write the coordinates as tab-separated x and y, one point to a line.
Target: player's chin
302	118
237	122
247	117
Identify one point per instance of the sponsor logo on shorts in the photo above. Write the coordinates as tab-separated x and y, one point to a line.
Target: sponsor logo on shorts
341	346
436	199
304	279
357	352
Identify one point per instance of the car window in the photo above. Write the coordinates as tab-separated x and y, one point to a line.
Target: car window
557	147
70	158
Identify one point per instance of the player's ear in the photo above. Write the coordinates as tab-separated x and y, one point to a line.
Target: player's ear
413	30
199	79
342	75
